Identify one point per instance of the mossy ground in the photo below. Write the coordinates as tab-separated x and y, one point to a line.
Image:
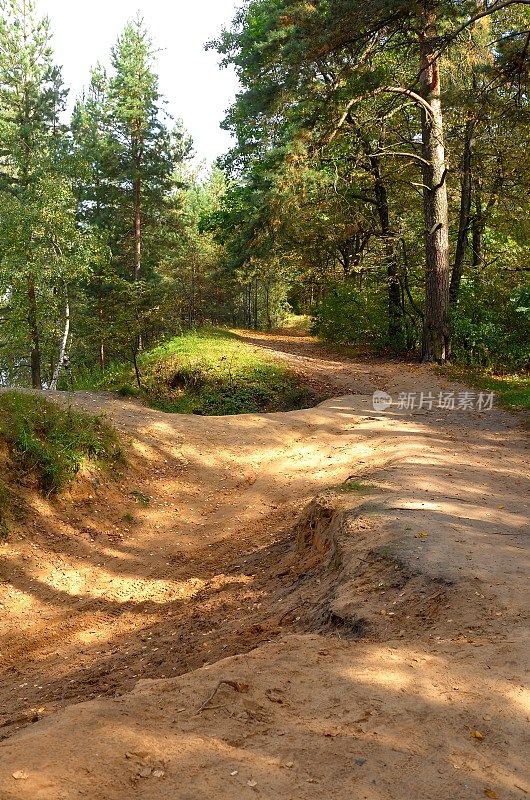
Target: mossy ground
209	372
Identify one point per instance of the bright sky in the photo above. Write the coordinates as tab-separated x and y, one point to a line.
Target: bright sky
190	79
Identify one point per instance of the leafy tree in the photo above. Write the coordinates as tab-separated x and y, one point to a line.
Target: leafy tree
319	72
37	223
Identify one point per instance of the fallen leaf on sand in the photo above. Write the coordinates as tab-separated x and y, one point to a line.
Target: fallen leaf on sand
422	535
491	794
252	784
477	735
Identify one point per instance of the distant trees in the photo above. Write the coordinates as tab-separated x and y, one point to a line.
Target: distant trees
86	210
126	152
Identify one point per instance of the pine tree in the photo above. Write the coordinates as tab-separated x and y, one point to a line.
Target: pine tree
31	98
145	149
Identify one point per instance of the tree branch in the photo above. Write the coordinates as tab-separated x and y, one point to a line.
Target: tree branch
418	99
499	6
403	155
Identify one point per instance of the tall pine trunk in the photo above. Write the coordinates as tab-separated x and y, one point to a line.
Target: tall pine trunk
436	341
465	212
395	308
137	229
63	347
395	305
34	338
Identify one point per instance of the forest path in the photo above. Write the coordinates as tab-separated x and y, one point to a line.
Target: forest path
183	561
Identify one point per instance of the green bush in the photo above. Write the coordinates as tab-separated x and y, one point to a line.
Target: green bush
51	442
491	326
354	317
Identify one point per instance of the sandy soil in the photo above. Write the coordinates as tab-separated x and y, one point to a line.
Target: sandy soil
368	644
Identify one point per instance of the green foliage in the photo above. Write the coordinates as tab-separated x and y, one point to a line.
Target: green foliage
53	443
511	391
110	242
329	174
209	371
353	486
349	315
491	325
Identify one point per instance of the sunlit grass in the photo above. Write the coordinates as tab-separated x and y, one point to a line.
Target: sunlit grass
209	371
511	391
52	443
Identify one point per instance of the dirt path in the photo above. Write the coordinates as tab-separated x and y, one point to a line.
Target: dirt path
390	625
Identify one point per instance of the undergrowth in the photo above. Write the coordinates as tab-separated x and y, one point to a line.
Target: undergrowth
511	391
210	372
52	443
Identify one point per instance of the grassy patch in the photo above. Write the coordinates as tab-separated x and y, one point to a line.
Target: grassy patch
354	486
52	443
511	391
208	372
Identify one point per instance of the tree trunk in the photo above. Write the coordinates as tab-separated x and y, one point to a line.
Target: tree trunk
465	212
268	305
36	380
436	342
395	309
64	341
137	230
478	227
256	304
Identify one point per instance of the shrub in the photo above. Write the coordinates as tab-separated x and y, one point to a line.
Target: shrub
51	442
491	326
351	316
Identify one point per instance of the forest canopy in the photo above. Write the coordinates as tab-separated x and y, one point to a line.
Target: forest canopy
378	183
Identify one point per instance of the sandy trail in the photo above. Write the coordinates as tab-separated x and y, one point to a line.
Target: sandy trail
100	591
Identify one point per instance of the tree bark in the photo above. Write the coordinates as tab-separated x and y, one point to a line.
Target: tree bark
478	227
465	212
436	340
137	230
35	360
395	309
64	341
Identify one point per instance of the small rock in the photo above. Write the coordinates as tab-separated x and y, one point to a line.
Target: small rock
360	761
145	772
19	775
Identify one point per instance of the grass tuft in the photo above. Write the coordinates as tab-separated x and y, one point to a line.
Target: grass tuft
52	443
